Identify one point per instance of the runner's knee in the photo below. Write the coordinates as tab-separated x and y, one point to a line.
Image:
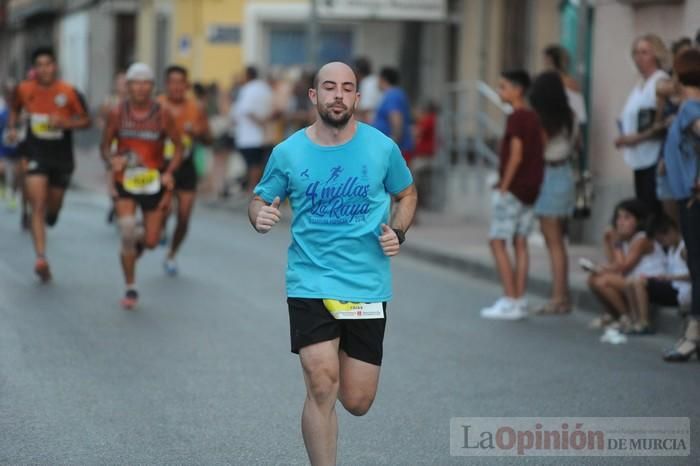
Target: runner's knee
323	385
357	405
129	233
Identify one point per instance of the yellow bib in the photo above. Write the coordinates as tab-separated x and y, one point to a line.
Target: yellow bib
347	310
141	180
169	149
42	130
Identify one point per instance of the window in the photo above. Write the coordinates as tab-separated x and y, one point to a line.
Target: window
288	45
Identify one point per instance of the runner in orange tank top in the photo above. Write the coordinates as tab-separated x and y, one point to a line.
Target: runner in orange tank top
54	110
192	122
142	176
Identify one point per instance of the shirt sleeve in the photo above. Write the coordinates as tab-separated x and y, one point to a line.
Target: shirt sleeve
275	181
517	125
79	103
392	102
398	176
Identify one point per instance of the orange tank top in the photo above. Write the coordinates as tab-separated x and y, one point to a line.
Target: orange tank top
186	115
143	136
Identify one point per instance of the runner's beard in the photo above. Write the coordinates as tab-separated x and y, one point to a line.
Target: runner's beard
335	121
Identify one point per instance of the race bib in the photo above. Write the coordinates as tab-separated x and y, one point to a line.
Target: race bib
41	129
169	149
141	180
343	310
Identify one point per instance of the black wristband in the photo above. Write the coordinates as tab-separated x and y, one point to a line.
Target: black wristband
400	234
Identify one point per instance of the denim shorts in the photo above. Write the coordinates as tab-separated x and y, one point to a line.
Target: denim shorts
663	188
558	194
510	217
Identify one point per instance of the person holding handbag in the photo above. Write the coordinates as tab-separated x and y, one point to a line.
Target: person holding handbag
556	201
640	137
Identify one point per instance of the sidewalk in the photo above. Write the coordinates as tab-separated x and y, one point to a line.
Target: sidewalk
461	243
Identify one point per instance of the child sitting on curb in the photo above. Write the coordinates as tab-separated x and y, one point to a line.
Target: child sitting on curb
670	289
630	255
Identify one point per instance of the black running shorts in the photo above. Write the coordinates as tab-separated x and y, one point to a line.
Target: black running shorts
310	323
186	176
253	156
662	293
58	172
146	202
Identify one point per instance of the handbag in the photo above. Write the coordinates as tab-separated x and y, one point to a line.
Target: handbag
584	195
645	119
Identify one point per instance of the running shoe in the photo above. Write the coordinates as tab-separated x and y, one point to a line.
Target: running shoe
12	203
170	267
41	268
130	300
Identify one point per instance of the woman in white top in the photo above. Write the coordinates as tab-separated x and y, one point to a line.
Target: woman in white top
640	137
672	288
630	255
556	200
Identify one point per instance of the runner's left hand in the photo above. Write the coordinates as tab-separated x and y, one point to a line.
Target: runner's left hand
56	121
164	205
168	181
389	241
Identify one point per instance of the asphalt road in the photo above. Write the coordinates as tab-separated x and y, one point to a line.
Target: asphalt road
202	374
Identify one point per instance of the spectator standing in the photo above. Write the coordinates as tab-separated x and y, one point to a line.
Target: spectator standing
640	140
250	113
521	172
682	154
668	101
557	197
370	93
556	58
393	117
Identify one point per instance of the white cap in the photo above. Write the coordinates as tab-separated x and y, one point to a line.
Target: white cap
139	72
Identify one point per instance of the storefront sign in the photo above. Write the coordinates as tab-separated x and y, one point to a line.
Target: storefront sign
418	10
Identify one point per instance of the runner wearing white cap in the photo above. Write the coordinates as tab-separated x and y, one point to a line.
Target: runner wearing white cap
142	176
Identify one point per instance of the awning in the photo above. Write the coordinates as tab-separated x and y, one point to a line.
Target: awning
19	10
403	10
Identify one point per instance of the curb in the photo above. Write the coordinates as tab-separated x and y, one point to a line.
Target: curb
667	320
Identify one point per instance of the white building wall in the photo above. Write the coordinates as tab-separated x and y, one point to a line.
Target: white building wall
613	75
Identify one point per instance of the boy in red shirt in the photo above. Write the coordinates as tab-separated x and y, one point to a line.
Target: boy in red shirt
521	172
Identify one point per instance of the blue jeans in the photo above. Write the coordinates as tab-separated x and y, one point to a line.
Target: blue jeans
690	228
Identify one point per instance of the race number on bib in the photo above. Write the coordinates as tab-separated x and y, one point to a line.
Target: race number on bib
169	150
41	128
141	180
342	310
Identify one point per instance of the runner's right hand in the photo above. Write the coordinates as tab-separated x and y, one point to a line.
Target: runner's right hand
118	163
268	216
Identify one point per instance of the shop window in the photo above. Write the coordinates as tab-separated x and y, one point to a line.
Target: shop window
288	45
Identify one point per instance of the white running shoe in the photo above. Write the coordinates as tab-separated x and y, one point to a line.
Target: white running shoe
503	309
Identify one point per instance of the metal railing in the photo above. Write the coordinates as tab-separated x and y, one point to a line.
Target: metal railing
472	120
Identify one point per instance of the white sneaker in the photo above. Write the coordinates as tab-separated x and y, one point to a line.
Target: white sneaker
495	306
504	309
521	304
